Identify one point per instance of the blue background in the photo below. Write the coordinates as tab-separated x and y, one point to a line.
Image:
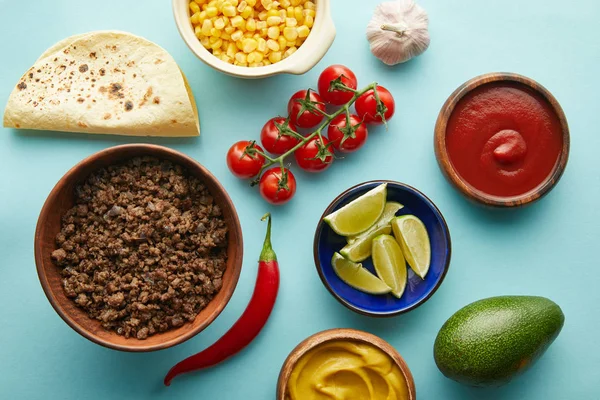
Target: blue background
549	249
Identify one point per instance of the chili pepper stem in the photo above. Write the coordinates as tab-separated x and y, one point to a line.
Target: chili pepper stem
267	254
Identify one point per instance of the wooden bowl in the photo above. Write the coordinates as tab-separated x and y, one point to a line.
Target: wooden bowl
61	199
464	187
341	334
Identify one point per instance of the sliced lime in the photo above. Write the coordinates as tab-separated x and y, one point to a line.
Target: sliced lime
357	276
389	263
411	234
389	212
360	214
360	249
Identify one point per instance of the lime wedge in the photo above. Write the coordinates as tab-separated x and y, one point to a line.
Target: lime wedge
411	234
360	249
389	263
360	214
357	276
389	212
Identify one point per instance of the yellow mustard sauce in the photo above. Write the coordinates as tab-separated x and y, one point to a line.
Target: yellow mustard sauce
346	370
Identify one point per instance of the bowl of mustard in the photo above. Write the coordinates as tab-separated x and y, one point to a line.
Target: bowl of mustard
342	364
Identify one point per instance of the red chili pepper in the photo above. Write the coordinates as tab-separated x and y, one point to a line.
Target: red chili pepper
250	323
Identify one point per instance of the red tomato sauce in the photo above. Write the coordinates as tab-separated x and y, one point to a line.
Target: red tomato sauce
504	139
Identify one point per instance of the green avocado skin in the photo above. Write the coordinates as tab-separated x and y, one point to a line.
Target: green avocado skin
490	341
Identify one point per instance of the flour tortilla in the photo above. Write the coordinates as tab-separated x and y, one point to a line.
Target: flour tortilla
105	82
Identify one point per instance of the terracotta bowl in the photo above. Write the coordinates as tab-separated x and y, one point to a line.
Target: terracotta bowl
62	198
464	187
341	334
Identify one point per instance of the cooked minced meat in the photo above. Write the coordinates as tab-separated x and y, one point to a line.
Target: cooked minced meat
144	248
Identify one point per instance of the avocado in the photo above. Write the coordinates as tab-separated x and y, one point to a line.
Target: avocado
490	341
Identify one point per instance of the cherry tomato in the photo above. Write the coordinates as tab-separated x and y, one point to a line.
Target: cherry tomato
272	138
344	138
299	108
338	96
243	160
368	109
314	156
277	187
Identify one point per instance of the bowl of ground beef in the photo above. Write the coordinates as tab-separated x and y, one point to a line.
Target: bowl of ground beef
138	247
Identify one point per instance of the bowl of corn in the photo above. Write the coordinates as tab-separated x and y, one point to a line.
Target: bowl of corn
256	38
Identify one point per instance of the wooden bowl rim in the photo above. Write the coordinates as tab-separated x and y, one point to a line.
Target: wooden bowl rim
343	301
156	151
464	187
342	334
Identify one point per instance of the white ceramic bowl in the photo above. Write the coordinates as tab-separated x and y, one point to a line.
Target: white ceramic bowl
308	55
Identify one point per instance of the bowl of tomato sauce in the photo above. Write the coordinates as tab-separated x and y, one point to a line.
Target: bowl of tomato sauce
502	140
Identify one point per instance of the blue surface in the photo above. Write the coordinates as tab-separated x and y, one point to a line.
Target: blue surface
417	290
548	249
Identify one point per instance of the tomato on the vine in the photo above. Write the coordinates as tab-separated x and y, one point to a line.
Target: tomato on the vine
303	108
347	133
277	186
332	77
315	155
371	111
277	136
243	159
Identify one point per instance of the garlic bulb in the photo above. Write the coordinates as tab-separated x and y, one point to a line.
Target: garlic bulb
398	31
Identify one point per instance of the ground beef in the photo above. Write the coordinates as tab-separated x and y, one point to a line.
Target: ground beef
144	248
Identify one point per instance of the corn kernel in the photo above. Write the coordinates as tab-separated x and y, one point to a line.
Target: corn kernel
272	45
211	11
237	21
237	35
233	2
291	22
231	49
255	57
298	14
262	15
308	21
229	11
289	12
261	25
273	32
217	44
194	7
215	33
289	52
242	6
303	31
239	44
202	16
216	52
310	5
198	31
207	25
266	3
290	33
262	45
229	30
272	13
241	57
296	2
286	3
200	2
248	12
194	19
251	25
249	45
275	57
282	14
306	12
282	42
251	3
272	21
266	62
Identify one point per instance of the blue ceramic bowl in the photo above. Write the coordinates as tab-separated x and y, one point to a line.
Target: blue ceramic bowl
417	290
